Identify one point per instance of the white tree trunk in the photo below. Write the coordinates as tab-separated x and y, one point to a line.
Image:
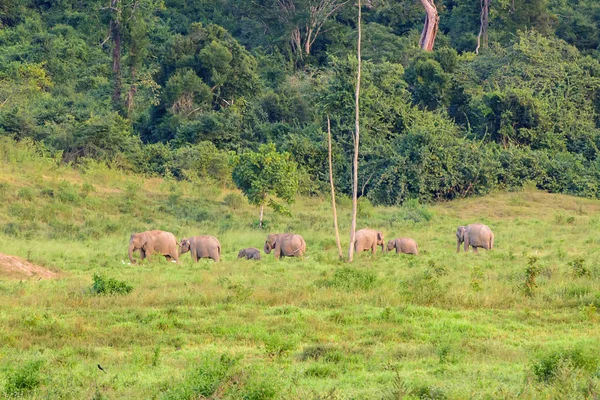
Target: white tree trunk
335	220
431	25
262	207
483	26
356	143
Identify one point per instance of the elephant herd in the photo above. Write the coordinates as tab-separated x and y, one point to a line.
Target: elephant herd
290	244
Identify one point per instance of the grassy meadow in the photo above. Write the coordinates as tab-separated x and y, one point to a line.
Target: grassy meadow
520	321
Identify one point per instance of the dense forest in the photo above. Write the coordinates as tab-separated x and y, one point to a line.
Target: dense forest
177	87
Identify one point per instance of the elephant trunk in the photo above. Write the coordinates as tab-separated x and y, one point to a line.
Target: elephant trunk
267	249
131	249
458	243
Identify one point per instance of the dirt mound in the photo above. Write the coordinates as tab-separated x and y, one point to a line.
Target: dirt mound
18	268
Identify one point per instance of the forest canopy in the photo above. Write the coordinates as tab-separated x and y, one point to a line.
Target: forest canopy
178	88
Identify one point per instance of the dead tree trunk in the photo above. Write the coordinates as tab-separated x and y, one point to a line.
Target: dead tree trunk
115	29
132	92
431	25
483	26
335	220
356	143
262	209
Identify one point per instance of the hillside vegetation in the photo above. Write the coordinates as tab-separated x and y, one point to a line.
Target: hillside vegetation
519	321
170	87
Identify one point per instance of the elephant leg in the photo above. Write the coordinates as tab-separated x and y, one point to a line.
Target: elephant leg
168	257
147	254
142	254
474	249
277	250
194	255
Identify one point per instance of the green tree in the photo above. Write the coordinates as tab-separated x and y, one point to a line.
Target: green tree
265	176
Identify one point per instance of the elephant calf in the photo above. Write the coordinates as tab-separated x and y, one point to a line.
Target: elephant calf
403	245
155	241
202	247
474	235
251	253
368	239
285	244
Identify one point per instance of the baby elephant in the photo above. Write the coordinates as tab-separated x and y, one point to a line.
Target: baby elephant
403	245
251	253
201	247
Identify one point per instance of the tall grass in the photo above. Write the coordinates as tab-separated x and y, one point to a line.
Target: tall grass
439	325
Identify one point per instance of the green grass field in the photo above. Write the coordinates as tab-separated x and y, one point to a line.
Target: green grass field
520	321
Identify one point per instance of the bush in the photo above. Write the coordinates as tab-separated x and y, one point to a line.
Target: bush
579	269
548	366
24	379
108	286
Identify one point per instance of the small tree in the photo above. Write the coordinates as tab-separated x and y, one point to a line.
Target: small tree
264	176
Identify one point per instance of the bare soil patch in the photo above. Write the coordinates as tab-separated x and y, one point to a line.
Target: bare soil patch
13	267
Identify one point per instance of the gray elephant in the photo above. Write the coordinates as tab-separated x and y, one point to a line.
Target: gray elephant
285	244
474	235
202	247
403	245
150	242
251	253
369	239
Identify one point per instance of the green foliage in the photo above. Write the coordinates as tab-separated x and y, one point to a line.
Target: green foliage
531	273
579	269
23	379
546	368
265	175
109	286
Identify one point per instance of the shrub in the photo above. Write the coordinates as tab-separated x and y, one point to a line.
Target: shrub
579	269
67	193
23	379
548	366
108	286
531	273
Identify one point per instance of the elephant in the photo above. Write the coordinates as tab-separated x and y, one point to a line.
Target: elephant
474	235
202	247
285	244
403	245
251	253
369	239
155	241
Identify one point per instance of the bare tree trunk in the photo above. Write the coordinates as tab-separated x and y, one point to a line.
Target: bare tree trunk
262	207
335	220
132	92
115	29
431	25
356	143
484	24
